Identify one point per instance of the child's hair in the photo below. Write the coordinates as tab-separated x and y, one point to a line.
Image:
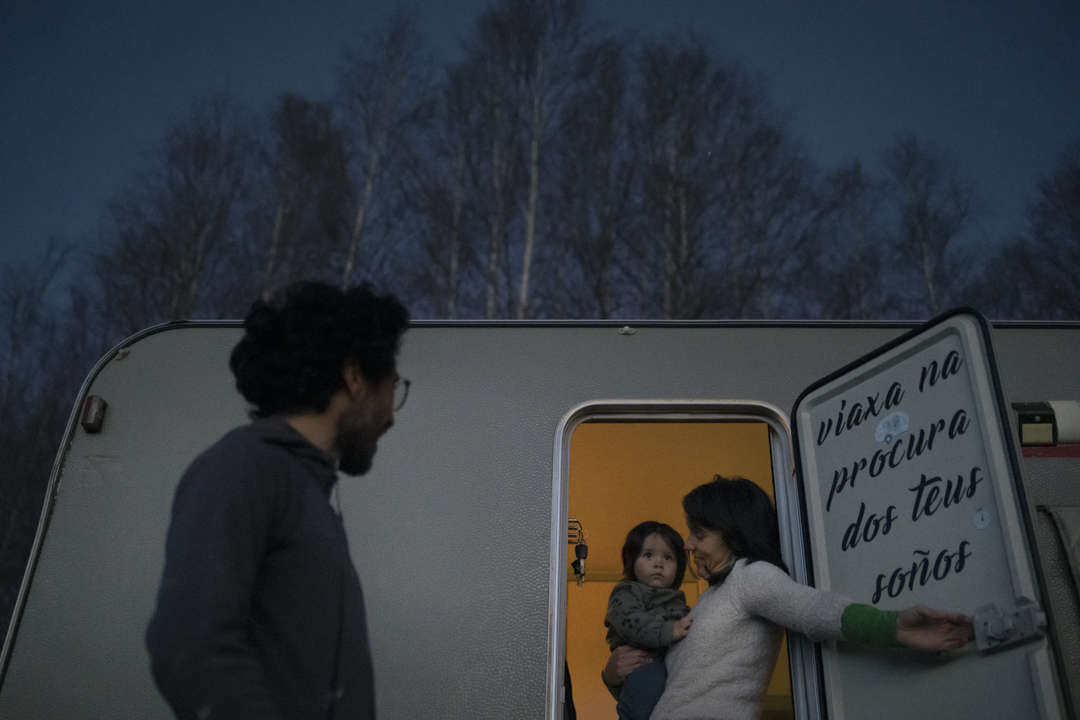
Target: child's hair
635	539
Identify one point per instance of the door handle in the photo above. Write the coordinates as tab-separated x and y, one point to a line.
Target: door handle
996	631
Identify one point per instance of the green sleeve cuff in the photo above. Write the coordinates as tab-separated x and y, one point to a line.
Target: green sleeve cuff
866	625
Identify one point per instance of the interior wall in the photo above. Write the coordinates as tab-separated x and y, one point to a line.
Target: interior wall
621	474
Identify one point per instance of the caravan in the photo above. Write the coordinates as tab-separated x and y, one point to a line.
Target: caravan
891	453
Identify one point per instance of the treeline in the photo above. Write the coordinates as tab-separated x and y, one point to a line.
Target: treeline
554	170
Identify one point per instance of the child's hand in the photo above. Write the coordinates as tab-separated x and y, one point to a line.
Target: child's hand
681	628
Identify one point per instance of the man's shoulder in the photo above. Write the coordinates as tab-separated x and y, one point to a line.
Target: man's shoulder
243	455
247	441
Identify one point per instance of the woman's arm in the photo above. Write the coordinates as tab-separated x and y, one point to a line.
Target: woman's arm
764	590
769	592
919	628
623	661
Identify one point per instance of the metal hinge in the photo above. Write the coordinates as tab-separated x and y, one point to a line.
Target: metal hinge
995	631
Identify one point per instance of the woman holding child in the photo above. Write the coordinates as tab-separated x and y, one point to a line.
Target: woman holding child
721	668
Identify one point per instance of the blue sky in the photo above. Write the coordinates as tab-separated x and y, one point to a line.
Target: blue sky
87	89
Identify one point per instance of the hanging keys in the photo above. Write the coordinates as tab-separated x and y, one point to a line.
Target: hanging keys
581	551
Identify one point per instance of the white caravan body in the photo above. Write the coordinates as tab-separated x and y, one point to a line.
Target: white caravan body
459	533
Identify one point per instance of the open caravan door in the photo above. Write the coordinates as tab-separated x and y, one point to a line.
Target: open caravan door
911	494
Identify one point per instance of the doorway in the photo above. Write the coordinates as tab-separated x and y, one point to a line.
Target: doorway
622	472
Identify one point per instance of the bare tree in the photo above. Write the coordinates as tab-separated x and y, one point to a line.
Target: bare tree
441	179
516	68
768	211
1034	276
25	319
385	90
726	194
310	190
166	230
597	180
934	208
546	36
494	168
37	386
1054	231
850	278
683	98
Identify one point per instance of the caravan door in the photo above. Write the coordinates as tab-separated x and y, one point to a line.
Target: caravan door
911	494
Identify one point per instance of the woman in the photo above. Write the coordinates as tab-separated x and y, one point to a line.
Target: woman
722	668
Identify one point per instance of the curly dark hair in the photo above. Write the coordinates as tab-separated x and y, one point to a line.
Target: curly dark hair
293	353
742	513
635	540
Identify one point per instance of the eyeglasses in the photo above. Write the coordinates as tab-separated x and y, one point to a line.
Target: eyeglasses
401	392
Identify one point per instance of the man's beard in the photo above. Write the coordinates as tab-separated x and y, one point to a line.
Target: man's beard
356	441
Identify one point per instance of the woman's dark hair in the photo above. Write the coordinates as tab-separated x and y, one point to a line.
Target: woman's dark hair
635	540
742	513
293	353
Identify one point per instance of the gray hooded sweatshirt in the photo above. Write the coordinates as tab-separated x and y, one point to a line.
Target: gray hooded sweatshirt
260	611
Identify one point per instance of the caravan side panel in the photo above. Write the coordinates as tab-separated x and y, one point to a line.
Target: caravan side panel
450	531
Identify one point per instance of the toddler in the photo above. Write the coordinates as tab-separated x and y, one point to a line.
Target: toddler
647	610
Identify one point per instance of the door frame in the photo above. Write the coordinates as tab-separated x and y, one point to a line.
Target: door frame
802	656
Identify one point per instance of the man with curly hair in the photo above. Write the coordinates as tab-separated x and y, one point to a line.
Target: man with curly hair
260	613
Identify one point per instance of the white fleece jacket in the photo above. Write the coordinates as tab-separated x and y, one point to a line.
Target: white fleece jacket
721	670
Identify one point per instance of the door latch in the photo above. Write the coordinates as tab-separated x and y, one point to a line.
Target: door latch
996	631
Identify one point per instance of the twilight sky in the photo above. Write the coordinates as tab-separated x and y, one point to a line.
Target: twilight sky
88	88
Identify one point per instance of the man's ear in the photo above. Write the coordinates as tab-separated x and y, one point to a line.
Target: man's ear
355	382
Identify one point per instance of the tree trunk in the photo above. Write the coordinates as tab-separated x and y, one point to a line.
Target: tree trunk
271	258
537	133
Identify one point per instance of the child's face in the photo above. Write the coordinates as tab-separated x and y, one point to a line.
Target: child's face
656	564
